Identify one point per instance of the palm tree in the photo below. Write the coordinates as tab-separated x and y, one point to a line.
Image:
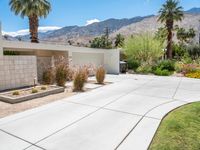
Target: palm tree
169	13
119	40
33	9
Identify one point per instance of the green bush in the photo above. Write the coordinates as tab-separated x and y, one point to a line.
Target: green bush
179	50
133	64
144	69
164	72
34	90
166	65
143	48
15	93
194	51
43	88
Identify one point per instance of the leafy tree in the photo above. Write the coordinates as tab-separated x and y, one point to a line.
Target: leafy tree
184	35
33	9
119	40
161	34
101	42
169	13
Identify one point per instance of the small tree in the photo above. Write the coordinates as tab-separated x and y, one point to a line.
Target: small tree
185	36
119	40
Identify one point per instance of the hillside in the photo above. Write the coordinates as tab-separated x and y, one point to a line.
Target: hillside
151	25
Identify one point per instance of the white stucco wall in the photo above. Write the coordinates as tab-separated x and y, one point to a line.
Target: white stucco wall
112	61
79	58
107	58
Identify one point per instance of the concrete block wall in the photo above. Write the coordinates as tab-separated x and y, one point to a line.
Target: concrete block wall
17	71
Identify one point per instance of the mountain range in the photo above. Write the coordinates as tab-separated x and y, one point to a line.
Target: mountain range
81	35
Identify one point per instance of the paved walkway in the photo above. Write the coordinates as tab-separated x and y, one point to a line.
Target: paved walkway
124	116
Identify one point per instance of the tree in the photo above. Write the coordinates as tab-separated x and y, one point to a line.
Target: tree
33	10
119	40
161	34
101	42
169	13
184	35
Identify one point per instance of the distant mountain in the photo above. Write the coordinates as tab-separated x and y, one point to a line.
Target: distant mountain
76	33
194	10
81	35
151	25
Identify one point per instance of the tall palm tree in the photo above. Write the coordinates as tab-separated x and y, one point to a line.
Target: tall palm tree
33	9
169	13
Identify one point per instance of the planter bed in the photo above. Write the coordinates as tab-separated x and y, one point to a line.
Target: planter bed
25	94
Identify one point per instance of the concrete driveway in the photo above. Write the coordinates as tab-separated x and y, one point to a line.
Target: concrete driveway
124	116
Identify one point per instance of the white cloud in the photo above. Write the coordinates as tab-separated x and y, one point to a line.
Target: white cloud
88	22
26	31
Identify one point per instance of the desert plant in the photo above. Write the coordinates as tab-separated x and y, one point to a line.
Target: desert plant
164	72
43	88
62	71
79	80
15	93
166	65
61	75
34	90
143	48
144	69
132	64
100	75
48	76
195	74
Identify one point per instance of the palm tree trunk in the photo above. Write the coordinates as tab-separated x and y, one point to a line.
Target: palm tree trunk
33	28
169	39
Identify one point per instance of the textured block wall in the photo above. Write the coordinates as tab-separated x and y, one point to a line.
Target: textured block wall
17	71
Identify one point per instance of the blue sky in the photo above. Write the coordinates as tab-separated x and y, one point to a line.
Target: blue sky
78	12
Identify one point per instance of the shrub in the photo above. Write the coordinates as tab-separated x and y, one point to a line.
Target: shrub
179	50
16	93
178	67
79	80
166	65
194	51
100	75
43	88
132	64
164	72
61	71
143	48
144	68
195	74
48	76
188	68
34	90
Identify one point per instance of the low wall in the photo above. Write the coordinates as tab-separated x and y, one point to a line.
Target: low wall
107	58
17	71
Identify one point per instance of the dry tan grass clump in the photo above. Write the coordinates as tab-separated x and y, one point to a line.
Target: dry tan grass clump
79	80
100	75
48	76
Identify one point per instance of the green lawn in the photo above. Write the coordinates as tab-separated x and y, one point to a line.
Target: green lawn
180	130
